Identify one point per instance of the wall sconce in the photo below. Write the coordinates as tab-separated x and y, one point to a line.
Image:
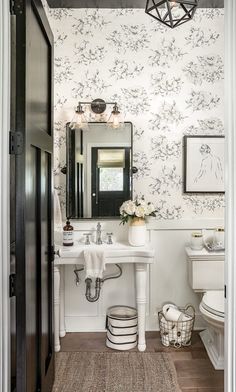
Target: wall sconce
115	120
79	120
172	13
98	106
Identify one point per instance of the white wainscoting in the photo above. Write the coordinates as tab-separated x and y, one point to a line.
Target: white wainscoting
167	276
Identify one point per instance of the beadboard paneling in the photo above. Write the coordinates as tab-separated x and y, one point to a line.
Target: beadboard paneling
167	281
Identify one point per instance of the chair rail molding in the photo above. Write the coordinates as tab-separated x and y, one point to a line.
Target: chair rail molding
4	195
230	126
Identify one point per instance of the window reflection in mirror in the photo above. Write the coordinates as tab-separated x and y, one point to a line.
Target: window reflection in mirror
99	176
111	164
111	179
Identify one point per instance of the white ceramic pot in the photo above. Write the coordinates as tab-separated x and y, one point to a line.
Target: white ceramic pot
196	241
137	232
219	237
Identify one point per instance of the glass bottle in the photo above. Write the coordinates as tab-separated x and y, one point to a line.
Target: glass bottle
68	234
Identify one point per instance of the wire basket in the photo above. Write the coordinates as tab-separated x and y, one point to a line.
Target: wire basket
177	333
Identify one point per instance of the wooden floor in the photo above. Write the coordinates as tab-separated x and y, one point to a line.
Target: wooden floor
194	369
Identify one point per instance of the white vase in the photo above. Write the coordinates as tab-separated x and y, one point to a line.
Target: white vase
137	232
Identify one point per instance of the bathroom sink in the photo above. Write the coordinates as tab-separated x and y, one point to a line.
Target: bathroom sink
117	253
118	249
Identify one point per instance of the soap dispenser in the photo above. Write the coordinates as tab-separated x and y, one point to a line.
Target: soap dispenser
68	234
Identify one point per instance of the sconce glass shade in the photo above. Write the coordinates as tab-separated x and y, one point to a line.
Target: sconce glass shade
115	120
79	120
171	13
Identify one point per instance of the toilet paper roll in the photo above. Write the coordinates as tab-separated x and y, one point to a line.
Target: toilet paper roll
167	306
167	325
185	317
178	337
166	328
173	314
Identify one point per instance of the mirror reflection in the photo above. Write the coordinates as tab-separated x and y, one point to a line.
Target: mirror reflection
99	178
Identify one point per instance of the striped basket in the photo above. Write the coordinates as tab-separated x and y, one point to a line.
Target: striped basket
122	326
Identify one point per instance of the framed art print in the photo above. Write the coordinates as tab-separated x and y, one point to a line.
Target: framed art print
204	164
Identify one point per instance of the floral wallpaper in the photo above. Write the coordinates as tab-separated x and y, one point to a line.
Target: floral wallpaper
169	83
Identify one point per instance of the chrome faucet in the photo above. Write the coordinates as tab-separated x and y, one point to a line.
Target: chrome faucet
99	234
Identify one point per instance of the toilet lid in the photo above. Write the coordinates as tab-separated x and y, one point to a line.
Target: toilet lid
213	302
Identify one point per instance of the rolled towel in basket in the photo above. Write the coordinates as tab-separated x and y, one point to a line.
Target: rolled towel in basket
58	226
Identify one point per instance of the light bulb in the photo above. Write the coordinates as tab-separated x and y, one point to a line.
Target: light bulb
173	4
72	124
115	120
79	120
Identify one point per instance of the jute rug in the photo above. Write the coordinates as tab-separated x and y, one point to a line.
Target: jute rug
115	372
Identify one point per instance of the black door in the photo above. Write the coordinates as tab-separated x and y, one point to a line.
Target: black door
34	208
110	180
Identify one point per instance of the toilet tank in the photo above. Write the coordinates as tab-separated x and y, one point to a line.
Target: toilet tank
205	271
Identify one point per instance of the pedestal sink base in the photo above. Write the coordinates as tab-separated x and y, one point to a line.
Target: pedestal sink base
141	257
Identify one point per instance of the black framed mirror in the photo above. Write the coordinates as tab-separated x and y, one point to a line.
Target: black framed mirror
98	171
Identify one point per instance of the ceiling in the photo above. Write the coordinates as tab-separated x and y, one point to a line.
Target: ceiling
120	3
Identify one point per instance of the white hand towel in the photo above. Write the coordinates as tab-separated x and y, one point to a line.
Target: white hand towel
94	263
58	226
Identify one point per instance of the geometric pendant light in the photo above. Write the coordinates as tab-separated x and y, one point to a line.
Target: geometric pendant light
172	13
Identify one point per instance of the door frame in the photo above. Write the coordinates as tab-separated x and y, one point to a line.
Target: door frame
95	178
230	277
5	43
34	265
87	176
230	213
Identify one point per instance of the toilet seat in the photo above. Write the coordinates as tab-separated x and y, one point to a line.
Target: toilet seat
213	304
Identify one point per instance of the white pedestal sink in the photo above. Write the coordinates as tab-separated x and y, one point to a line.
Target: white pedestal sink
119	253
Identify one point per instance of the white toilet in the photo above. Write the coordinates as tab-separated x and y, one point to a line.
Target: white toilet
206	276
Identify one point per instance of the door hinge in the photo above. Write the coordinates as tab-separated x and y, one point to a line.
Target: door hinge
12	285
15	143
16	7
12	7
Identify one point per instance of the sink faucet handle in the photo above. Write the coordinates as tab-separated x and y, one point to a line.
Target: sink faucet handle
87	239
109	238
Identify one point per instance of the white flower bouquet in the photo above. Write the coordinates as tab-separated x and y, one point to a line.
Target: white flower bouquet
137	208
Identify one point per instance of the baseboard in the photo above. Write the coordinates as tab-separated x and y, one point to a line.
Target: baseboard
97	323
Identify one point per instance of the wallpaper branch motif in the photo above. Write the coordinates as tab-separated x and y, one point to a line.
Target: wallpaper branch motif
168	83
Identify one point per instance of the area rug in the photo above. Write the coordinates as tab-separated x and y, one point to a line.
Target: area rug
115	372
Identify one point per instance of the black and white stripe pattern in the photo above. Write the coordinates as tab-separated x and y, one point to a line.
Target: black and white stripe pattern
121	327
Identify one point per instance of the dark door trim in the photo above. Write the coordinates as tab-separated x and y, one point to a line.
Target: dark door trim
42	141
